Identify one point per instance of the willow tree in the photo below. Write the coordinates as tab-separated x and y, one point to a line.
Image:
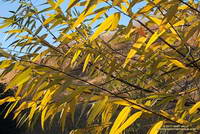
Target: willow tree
80	53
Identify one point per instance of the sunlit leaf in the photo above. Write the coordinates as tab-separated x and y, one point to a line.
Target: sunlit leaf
194	108
133	51
156	127
110	23
129	121
120	119
96	109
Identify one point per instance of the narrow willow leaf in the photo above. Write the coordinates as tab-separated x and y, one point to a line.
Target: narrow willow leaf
75	56
194	108
83	16
146	8
8	99
120	119
5	25
129	121
72	3
5	63
96	109
52	3
153	38
20	78
180	105
5	54
23	106
156	20
179	23
149	6
10	109
156	127
105	26
43	117
178	63
58	3
15	31
50	19
87	59
32	111
47	97
115	21
132	52
98	15
63	117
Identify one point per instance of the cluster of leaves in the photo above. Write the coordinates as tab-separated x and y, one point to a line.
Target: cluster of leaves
148	68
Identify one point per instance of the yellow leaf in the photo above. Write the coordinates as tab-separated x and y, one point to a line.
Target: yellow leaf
179	23
153	38
182	7
115	21
5	64
129	121
83	15
72	3
43	117
8	99
110	22
48	20
132	52
75	56
96	109
99	14
87	59
11	107
156	20
123	8
194	108
23	106
179	64
58	3
20	79
47	97
5	25
32	111
156	127
146	8
120	119
15	31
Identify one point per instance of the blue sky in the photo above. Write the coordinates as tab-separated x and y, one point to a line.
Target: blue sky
5	7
